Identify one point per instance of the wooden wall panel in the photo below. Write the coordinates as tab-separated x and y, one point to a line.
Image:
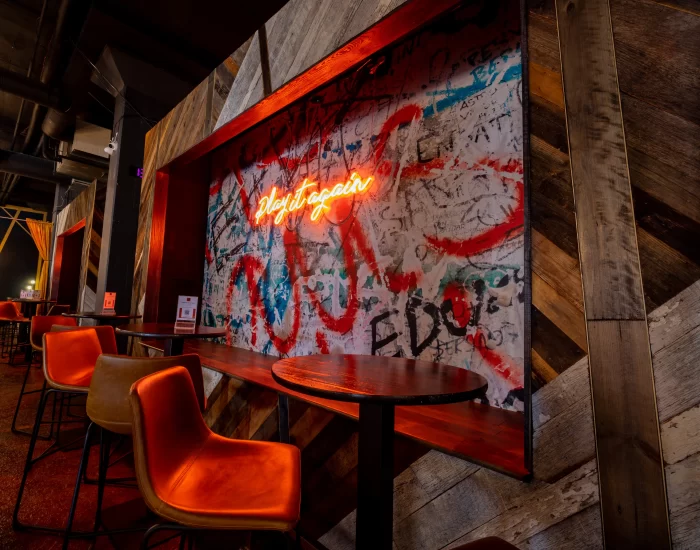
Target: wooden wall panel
81	207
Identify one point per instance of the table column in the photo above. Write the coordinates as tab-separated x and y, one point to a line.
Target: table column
375	477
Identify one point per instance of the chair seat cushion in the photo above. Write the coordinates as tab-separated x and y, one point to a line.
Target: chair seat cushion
233	484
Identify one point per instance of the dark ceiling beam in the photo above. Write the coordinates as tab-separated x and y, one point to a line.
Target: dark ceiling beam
30	89
37	168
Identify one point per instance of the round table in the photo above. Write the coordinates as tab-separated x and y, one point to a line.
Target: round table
29	306
103	318
174	337
378	384
112	319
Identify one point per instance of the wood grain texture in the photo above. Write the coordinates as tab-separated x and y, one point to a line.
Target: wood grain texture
557	269
541	509
633	497
582	531
559	310
363	378
605	220
645	67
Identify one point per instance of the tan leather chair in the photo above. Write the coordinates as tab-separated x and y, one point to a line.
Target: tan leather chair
105	333
108	408
200	480
108	398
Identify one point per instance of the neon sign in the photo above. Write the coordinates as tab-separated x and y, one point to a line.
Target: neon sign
270	204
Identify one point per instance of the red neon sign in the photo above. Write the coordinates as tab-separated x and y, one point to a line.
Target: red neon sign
269	204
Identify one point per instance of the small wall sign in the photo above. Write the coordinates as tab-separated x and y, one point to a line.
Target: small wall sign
29	294
109	302
186	318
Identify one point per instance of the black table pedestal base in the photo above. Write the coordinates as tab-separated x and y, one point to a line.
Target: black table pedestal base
173	346
375	479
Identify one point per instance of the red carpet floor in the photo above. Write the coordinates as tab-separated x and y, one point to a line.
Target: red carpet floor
51	482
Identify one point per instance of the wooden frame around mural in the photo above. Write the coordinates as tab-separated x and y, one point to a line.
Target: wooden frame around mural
178	228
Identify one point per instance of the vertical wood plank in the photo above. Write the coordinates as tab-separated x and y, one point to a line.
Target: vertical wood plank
604	215
631	475
632	493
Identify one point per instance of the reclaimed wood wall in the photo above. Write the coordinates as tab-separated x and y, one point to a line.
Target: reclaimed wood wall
81	207
441	500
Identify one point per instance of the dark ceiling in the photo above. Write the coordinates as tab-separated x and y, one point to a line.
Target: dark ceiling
186	38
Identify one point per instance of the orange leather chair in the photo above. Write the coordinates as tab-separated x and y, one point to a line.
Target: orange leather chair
68	364
108	409
40	325
105	334
200	480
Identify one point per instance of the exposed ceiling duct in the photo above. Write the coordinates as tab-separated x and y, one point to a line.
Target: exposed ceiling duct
29	89
30	166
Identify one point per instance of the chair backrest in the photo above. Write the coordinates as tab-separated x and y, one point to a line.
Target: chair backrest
108	398
43	323
167	429
8	311
68	354
105	333
59	309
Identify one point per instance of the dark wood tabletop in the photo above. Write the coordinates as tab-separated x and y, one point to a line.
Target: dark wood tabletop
366	378
32	301
168	330
98	315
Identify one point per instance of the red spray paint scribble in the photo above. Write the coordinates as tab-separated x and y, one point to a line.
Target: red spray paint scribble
461	304
322	343
401	282
511	228
250	265
501	364
351	233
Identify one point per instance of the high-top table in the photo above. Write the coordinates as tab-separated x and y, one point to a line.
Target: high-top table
378	384
111	319
29	306
174	338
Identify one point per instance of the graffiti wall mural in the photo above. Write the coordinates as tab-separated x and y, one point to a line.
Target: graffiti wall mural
384	213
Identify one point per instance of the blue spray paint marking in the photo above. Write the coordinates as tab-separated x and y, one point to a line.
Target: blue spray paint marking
514	72
484	76
352	147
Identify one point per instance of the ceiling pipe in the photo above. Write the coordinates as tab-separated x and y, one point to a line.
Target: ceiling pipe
51	63
30	166
29	89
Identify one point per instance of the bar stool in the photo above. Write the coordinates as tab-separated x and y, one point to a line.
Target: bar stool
199	480
68	363
40	325
9	317
109	410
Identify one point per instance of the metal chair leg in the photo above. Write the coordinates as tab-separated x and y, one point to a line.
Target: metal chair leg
16	524
105	445
22	393
83	466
